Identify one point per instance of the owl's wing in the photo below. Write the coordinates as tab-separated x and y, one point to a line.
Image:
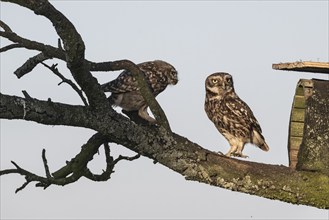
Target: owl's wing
243	113
127	83
124	83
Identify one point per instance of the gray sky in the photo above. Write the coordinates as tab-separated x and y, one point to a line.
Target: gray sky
243	38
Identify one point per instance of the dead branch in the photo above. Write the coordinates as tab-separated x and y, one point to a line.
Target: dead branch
9	47
54	69
5	27
30	64
74	169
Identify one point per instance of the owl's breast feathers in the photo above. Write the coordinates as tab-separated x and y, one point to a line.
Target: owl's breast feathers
242	113
233	116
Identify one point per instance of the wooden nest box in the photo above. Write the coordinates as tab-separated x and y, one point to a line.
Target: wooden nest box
308	140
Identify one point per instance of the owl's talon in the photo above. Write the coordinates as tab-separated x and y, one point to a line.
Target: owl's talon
228	155
240	155
220	153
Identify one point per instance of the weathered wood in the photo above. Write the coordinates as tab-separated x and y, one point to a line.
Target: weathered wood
296	129
314	150
297	117
306	66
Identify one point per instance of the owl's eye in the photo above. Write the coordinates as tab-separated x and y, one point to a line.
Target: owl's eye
214	80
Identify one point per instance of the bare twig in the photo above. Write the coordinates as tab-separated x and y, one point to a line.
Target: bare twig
5	27
22	187
45	163
28	176
126	158
54	69
26	95
59	44
110	163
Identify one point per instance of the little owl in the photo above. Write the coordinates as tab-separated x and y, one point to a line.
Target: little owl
125	91
232	117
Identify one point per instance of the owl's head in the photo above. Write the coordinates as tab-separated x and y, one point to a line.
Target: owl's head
172	76
169	71
219	84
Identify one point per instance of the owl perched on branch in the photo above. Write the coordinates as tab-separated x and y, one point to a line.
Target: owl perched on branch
125	92
232	117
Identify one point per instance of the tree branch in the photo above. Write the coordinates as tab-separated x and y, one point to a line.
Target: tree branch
110	163
54	69
48	50
9	47
74	169
30	64
45	163
184	156
44	112
5	27
73	46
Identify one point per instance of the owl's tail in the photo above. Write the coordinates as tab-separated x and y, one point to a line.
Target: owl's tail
259	141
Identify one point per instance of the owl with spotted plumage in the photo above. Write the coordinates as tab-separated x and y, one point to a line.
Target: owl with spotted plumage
232	117
125	92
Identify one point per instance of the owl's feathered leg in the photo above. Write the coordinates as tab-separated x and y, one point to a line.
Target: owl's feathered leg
232	151
142	112
238	152
133	115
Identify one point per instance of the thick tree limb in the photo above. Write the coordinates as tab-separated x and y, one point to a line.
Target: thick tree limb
45	112
186	157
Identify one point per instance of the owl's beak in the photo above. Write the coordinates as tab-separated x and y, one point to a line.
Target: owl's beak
174	81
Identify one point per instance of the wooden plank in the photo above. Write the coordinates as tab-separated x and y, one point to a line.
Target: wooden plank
293	159
295	142
299	91
296	129
299	102
298	115
293	155
306	66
